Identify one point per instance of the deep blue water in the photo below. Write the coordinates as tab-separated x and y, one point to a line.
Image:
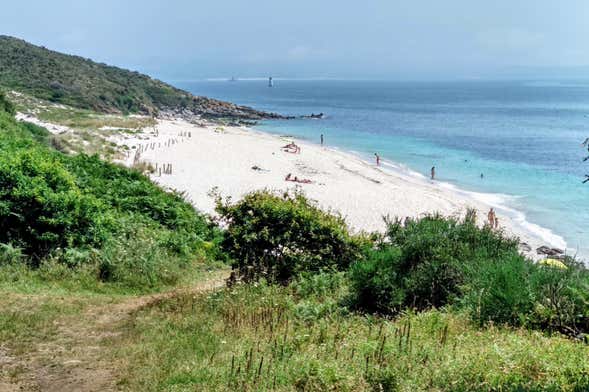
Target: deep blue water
523	136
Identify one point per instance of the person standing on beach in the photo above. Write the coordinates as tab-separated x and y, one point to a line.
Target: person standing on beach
377	159
433	172
491	217
322	139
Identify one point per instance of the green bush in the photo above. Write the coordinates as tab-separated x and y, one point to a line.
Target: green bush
518	292
375	282
42	209
5	105
500	291
85	214
10	254
130	191
137	259
424	263
562	298
437	261
278	236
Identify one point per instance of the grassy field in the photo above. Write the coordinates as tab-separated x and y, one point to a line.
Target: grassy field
62	331
299	338
65	334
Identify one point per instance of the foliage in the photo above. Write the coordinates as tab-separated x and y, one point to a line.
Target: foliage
562	298
83	83
5	105
277	236
83	212
438	261
42	209
376	284
10	254
254	337
501	292
423	263
515	291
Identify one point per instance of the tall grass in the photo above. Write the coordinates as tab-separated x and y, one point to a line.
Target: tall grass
256	338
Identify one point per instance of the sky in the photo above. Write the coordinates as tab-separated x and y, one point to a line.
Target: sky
180	40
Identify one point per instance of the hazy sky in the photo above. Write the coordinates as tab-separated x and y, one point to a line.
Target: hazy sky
182	39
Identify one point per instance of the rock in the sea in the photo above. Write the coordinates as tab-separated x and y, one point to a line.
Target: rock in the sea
547	251
525	247
203	107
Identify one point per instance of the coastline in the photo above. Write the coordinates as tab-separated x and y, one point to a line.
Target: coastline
496	200
207	156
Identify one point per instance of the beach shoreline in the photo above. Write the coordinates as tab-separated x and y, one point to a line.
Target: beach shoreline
197	158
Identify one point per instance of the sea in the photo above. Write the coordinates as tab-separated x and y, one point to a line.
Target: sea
515	145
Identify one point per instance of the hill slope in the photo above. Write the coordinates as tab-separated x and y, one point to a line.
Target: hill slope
83	83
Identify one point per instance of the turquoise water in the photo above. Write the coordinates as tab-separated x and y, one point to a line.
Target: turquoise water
524	137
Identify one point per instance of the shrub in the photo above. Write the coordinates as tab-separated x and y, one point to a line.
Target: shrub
10	254
423	263
132	192
41	208
517	292
84	214
375	282
6	105
277	236
562	298
136	259
500	291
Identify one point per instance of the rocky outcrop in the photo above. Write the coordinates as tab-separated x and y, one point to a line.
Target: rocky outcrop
551	252
208	108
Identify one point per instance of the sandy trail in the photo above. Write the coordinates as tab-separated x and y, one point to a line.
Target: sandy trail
76	358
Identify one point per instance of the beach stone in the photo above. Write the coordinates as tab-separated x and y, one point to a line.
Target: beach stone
544	250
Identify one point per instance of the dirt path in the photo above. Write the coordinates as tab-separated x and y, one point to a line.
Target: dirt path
75	359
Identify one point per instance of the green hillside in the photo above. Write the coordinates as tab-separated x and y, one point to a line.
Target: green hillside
83	83
82	212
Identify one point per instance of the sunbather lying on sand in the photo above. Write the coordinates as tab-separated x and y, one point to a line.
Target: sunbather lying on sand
289	177
292	148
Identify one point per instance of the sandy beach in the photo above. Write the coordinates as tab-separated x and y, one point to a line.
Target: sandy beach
206	157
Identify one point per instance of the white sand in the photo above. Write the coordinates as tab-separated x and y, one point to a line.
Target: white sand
53	128
342	182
